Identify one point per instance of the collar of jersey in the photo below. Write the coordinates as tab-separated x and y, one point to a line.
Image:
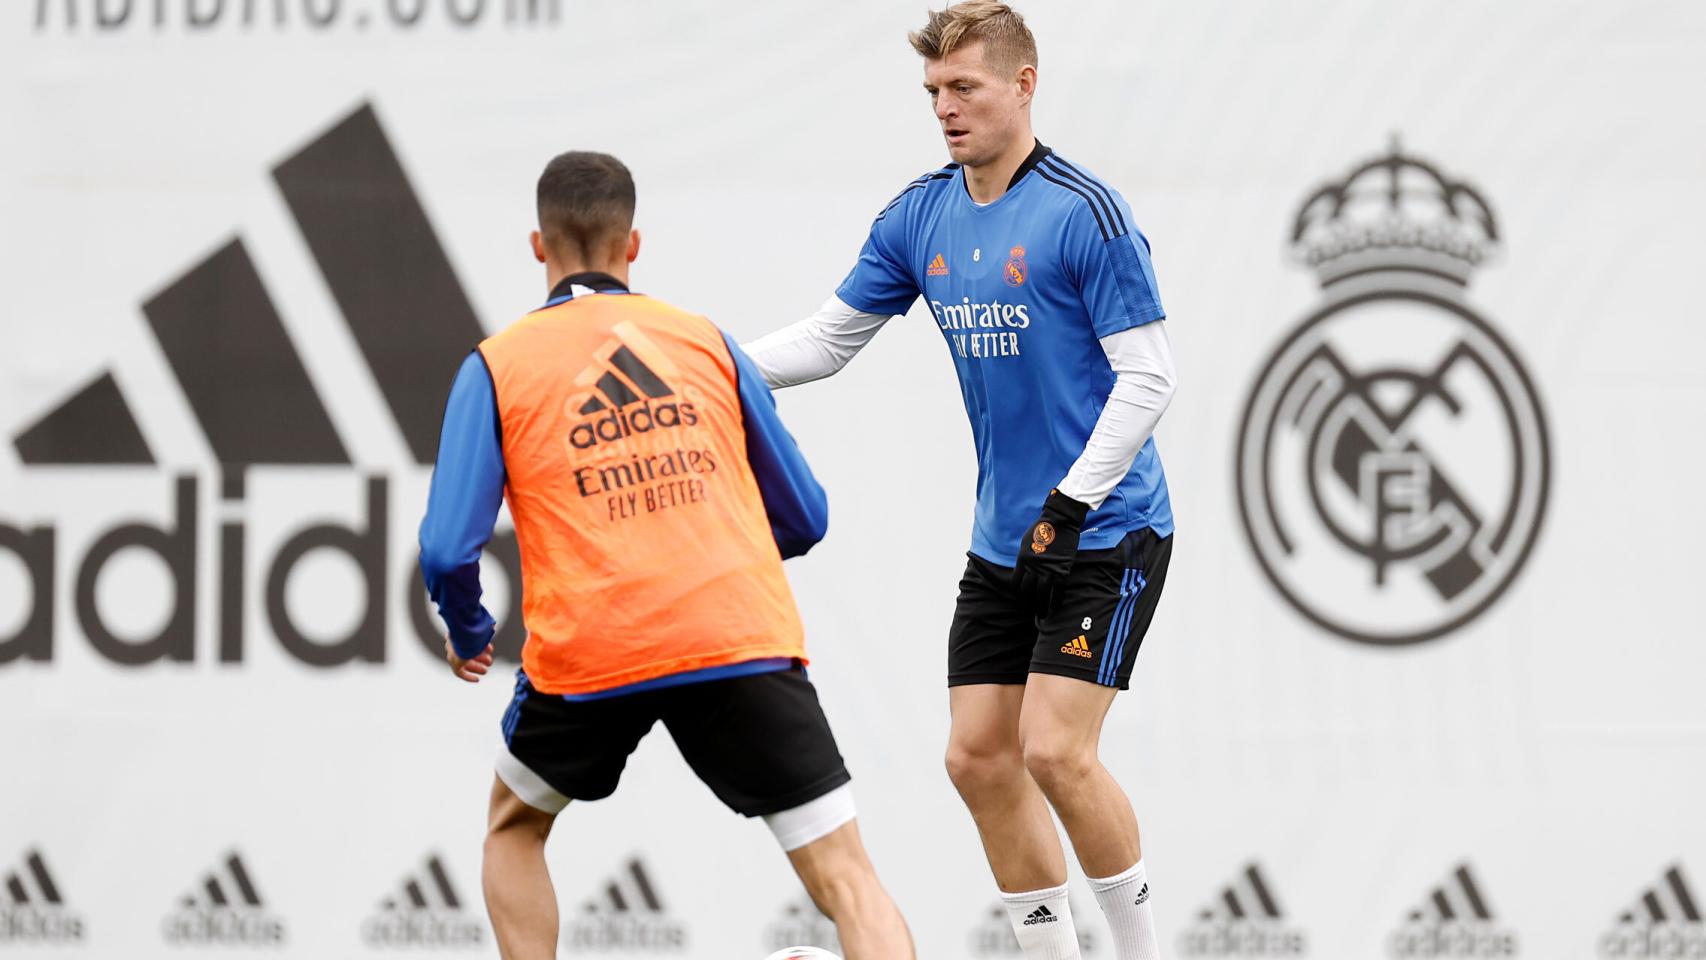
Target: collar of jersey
1038	152
592	280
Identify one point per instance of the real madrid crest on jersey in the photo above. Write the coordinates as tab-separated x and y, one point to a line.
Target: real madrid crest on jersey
1014	272
1393	461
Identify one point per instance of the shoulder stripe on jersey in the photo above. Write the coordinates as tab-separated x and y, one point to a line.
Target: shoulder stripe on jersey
1116	223
946	173
1095	208
1099	186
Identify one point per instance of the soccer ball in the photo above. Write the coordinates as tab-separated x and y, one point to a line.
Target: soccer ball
802	953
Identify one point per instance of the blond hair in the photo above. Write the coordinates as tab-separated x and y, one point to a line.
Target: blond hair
1008	44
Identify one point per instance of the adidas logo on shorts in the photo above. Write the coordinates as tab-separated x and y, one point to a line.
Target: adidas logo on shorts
1079	647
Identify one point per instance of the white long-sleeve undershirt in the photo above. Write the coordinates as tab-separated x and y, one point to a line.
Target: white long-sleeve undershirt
1141	358
815	347
1144	380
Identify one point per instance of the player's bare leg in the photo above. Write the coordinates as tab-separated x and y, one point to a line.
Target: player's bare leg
839	876
519	895
1061	727
986	761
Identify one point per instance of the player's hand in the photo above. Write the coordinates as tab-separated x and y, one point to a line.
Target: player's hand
1047	553
469	670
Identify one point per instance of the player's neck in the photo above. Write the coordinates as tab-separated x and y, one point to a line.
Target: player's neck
988	182
556	270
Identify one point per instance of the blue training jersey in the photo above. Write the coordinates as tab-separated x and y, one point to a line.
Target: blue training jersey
1022	289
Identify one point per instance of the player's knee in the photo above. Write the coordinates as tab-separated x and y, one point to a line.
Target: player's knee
973	763
1056	762
835	890
834	871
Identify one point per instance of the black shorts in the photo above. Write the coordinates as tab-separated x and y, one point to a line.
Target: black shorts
1092	634
760	742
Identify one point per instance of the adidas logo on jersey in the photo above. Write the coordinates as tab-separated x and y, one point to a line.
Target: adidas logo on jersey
1454	921
1041	915
627	915
224	909
37	911
425	912
1243	921
619	382
1080	647
1664	922
938	267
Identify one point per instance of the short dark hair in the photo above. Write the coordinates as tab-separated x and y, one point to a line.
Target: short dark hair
586	200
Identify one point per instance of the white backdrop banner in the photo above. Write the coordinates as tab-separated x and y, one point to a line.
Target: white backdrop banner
1427	677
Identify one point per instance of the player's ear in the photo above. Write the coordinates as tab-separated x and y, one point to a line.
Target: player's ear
1027	81
538	246
633	245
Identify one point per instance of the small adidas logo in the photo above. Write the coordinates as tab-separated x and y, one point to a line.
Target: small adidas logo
802	923
1664	922
37	911
1142	896
993	937
426	912
627	915
938	267
1456	921
619	381
1245	920
226	909
1080	647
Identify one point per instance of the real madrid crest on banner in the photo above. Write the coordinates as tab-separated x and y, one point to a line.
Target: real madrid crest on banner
1393	461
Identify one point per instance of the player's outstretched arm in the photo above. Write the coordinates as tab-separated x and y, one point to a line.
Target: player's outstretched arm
816	347
467	489
794	501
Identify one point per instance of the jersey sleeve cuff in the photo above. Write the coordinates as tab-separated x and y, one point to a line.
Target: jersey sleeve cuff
847	296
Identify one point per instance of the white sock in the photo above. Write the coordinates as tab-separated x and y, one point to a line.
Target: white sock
1042	920
1125	902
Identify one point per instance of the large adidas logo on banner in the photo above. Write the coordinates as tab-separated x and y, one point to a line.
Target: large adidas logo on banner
1663	922
264	420
35	911
627	916
1454	921
426	911
1243	921
226	909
